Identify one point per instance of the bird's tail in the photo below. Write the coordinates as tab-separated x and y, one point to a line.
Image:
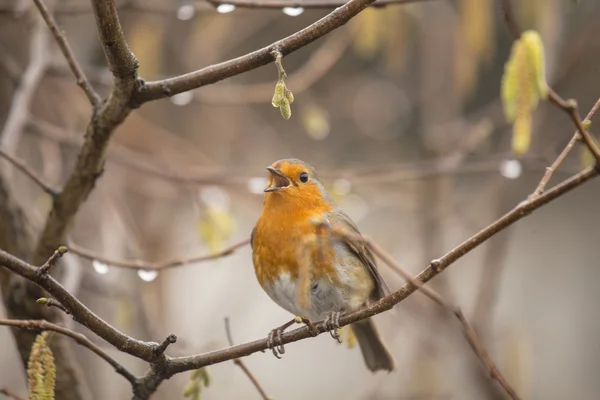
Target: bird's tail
376	355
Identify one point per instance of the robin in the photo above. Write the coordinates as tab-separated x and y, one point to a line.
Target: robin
343	275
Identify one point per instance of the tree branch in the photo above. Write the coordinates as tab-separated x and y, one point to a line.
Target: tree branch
140	264
563	154
469	332
41	325
164	367
65	48
568	106
80	313
90	162
21	166
215	73
181	364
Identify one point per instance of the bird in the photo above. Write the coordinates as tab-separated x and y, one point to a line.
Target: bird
343	274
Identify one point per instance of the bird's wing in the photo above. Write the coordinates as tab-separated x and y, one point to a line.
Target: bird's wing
252	238
341	220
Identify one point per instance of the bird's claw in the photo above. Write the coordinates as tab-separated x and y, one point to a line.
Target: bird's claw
332	322
274	341
275	344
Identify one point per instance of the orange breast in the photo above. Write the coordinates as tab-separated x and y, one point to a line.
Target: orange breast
285	241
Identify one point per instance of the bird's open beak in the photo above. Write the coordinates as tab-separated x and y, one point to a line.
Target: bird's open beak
279	180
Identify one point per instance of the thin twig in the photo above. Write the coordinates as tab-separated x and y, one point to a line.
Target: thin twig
568	106
10	394
468	330
53	259
169	340
242	365
65	48
90	161
41	325
140	264
21	166
317	65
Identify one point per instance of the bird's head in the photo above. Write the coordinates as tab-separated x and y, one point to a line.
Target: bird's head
295	181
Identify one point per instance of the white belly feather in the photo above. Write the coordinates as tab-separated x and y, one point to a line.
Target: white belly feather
324	298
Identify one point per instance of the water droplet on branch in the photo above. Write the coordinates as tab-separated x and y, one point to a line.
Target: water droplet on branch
100	267
147	275
292	11
225	8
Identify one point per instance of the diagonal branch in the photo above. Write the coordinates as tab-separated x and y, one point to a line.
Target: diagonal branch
80	313
41	325
568	106
65	48
21	166
110	114
181	364
215	73
469	332
164	367
563	154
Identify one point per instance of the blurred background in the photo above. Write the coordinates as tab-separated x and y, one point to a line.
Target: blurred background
399	111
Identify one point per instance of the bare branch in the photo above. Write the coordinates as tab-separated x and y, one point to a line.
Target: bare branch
563	154
90	162
568	106
161	348
53	259
21	166
65	48
181	364
242	365
41	325
139	264
214	73
80	313
164	367
469	332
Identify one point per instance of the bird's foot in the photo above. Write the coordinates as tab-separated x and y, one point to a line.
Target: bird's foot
274	342
332	322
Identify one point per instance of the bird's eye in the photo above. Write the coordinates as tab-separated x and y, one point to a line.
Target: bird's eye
304	177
